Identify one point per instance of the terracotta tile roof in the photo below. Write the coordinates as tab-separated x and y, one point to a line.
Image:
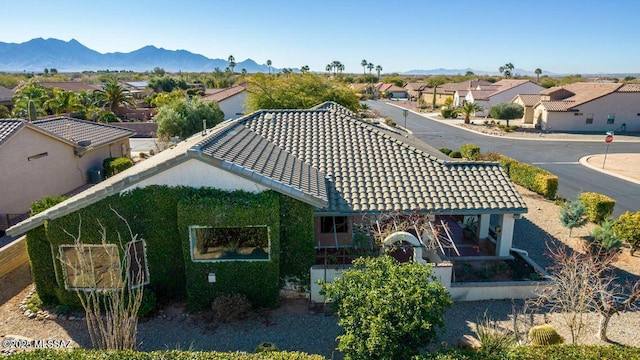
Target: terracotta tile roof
74	86
326	157
8	127
75	130
465	85
5	94
529	99
481	94
629	88
225	94
583	92
359	86
416	86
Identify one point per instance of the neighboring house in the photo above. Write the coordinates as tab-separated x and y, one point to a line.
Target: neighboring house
416	89
448	90
589	107
137	89
231	100
527	101
51	157
6	96
327	169
391	91
502	91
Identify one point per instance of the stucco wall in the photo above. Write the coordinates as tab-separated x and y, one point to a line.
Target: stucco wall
508	95
24	181
234	105
195	173
625	106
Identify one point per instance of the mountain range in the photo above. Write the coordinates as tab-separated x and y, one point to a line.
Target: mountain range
70	56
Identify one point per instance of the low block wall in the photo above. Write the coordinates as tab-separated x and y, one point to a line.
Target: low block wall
13	255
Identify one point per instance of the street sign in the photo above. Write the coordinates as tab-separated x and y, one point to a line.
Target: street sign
608	139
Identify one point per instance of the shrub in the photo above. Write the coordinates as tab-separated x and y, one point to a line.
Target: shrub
506	111
449	113
113	166
387	310
544	335
506	128
494	339
108	117
230	307
390	122
598	206
572	215
266	347
604	238
627	228
56	354
470	151
445	151
455	155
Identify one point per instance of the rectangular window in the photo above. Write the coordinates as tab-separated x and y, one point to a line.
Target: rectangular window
251	243
91	267
137	262
590	118
611	118
327	224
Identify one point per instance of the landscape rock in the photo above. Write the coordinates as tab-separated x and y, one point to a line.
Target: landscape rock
468	342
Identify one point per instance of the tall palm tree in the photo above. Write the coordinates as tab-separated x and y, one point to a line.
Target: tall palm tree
269	65
336	66
232	62
329	67
468	109
63	102
305	69
341	68
370	66
538	72
364	64
378	70
113	95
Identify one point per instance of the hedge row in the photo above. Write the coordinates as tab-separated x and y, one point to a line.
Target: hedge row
79	354
533	178
598	207
554	352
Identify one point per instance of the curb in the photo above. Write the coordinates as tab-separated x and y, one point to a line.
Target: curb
584	161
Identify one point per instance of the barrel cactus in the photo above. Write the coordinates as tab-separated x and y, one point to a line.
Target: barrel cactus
266	347
545	335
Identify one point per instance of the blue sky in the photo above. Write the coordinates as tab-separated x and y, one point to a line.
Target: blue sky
558	36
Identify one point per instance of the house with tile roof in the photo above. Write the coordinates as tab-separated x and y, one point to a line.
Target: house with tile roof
51	157
340	171
502	91
391	91
448	90
527	101
74	86
231	100
586	106
416	89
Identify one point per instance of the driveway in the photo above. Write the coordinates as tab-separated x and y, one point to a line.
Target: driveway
558	155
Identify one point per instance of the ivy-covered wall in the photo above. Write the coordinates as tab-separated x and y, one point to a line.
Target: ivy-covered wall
256	279
153	214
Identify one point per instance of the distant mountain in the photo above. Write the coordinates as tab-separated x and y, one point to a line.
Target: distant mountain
66	56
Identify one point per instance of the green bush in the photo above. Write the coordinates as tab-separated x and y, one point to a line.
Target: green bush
627	228
108	117
533	178
445	151
455	155
390	122
387	310
81	354
449	113
598	206
470	151
113	166
556	352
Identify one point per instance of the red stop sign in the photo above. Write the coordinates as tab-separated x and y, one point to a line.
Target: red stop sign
608	139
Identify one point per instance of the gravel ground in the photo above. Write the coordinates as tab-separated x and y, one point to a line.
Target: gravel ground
294	327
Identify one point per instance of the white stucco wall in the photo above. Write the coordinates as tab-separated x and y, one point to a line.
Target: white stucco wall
234	105
625	106
195	173
508	95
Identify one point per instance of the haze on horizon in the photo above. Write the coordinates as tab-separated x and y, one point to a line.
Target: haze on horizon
558	36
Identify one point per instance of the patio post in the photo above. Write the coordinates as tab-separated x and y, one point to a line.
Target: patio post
483	226
505	236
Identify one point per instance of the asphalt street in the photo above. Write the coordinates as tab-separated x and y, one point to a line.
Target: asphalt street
559	157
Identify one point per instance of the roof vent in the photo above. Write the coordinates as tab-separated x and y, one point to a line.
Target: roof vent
84	143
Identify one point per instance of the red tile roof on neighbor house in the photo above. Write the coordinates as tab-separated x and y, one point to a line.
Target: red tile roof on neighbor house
76	130
583	92
225	94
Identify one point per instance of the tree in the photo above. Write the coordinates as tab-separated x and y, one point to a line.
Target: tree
506	70
364	64
269	65
603	238
627	228
4	112
387	310
378	70
506	111
183	117
232	62
30	91
297	91
538	73
63	102
305	69
158	71
434	82
468	109
329	67
573	214
112	95
370	67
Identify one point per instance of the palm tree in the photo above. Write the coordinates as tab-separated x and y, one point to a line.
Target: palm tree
507	69
336	66
538	72
329	67
341	68
434	82
63	102
468	109
378	70
232	62
364	64
370	67
305	69
269	65
113	95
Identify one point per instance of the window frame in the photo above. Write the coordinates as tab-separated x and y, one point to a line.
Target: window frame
334	221
193	244
589	119
79	248
147	278
611	118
